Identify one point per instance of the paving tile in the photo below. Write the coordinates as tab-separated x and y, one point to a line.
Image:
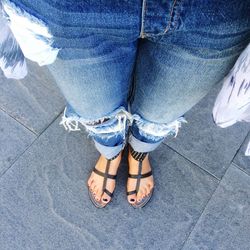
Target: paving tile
204	143
45	204
240	159
34	101
225	223
14	139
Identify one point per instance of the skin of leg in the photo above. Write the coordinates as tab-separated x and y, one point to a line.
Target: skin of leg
177	69
98	56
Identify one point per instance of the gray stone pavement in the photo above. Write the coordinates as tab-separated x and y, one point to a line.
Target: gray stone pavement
202	192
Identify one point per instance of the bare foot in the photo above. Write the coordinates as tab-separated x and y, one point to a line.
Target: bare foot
95	181
146	184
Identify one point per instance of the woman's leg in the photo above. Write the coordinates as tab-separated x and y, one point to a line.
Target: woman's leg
177	66
96	91
90	47
94	71
96	96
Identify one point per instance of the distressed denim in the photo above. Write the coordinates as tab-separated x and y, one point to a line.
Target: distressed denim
130	70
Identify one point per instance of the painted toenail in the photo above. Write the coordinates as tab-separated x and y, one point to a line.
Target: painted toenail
132	200
105	200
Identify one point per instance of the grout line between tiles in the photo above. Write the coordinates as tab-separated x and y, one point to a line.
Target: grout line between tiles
240	147
184	242
217	178
210	174
16	159
241	169
53	120
188	236
33	132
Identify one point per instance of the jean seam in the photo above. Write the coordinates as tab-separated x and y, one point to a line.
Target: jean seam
170	21
170	17
144	7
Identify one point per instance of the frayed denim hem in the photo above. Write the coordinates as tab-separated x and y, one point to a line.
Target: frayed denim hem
117	122
152	130
102	129
103	125
146	136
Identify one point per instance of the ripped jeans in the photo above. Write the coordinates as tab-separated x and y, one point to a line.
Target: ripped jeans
129	70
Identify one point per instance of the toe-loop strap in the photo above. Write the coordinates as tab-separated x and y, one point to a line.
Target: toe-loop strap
105	175
108	193
131	192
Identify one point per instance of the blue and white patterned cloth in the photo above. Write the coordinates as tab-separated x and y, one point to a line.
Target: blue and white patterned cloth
12	60
233	102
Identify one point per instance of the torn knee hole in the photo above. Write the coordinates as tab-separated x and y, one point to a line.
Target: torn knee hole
152	130
112	123
98	122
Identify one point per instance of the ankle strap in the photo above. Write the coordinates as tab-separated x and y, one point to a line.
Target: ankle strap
139	156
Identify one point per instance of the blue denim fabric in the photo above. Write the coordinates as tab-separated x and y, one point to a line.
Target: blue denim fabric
129	70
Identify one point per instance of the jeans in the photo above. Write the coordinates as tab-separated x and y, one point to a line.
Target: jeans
130	70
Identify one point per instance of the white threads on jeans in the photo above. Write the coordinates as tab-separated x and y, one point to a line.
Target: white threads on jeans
69	123
151	129
103	125
117	122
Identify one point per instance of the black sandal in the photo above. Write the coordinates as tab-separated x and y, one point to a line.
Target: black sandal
106	175
139	157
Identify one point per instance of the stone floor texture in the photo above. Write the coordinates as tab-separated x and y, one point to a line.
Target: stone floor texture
202	191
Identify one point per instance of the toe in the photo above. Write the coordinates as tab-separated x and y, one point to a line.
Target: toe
132	198
105	198
91	184
94	189
141	194
148	189
98	194
90	181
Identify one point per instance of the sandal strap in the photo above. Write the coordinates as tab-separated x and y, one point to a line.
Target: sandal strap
140	176
131	192
138	156
110	176
138	180
106	175
108	193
